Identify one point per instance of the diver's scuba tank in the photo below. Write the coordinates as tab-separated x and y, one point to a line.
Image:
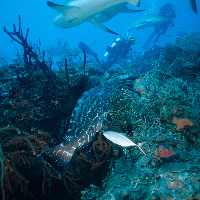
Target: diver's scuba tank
112	47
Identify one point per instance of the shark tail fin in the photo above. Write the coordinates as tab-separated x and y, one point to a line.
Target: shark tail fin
193	5
58	157
134	2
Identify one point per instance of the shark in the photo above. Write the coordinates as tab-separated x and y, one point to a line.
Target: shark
113	11
59	49
76	12
193	5
148	21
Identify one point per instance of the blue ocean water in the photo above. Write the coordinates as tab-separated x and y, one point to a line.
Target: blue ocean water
161	106
37	16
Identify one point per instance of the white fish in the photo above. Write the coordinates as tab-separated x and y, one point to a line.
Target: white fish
76	12
121	140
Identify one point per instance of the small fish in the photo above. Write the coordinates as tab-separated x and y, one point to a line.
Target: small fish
182	33
121	140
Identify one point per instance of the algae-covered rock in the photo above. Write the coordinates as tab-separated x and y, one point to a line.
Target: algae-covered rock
191	42
175	167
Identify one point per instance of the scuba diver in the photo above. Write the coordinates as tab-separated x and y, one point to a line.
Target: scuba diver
168	12
118	50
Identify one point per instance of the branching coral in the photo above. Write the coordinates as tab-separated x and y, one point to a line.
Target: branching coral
29	56
16	152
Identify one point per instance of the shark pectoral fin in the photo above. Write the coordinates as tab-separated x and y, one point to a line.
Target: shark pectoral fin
130	28
60	8
93	20
134	2
128	10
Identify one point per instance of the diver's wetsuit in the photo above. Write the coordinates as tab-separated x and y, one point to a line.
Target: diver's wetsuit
166	11
118	50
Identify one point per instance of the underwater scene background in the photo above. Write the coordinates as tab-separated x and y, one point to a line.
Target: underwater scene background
63	90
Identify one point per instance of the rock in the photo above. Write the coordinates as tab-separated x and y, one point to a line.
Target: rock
175	167
191	42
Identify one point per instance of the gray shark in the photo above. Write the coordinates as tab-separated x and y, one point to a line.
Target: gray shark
193	5
87	118
76	12
59	49
148	21
113	11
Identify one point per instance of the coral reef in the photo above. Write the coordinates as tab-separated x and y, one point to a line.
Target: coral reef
156	103
36	101
171	52
191	42
18	150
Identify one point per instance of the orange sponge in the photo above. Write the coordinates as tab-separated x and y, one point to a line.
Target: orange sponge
181	123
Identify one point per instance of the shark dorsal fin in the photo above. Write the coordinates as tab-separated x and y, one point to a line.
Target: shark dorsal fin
128	10
93	20
67	2
60	8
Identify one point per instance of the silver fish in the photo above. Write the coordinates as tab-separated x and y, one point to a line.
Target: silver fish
86	119
121	140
